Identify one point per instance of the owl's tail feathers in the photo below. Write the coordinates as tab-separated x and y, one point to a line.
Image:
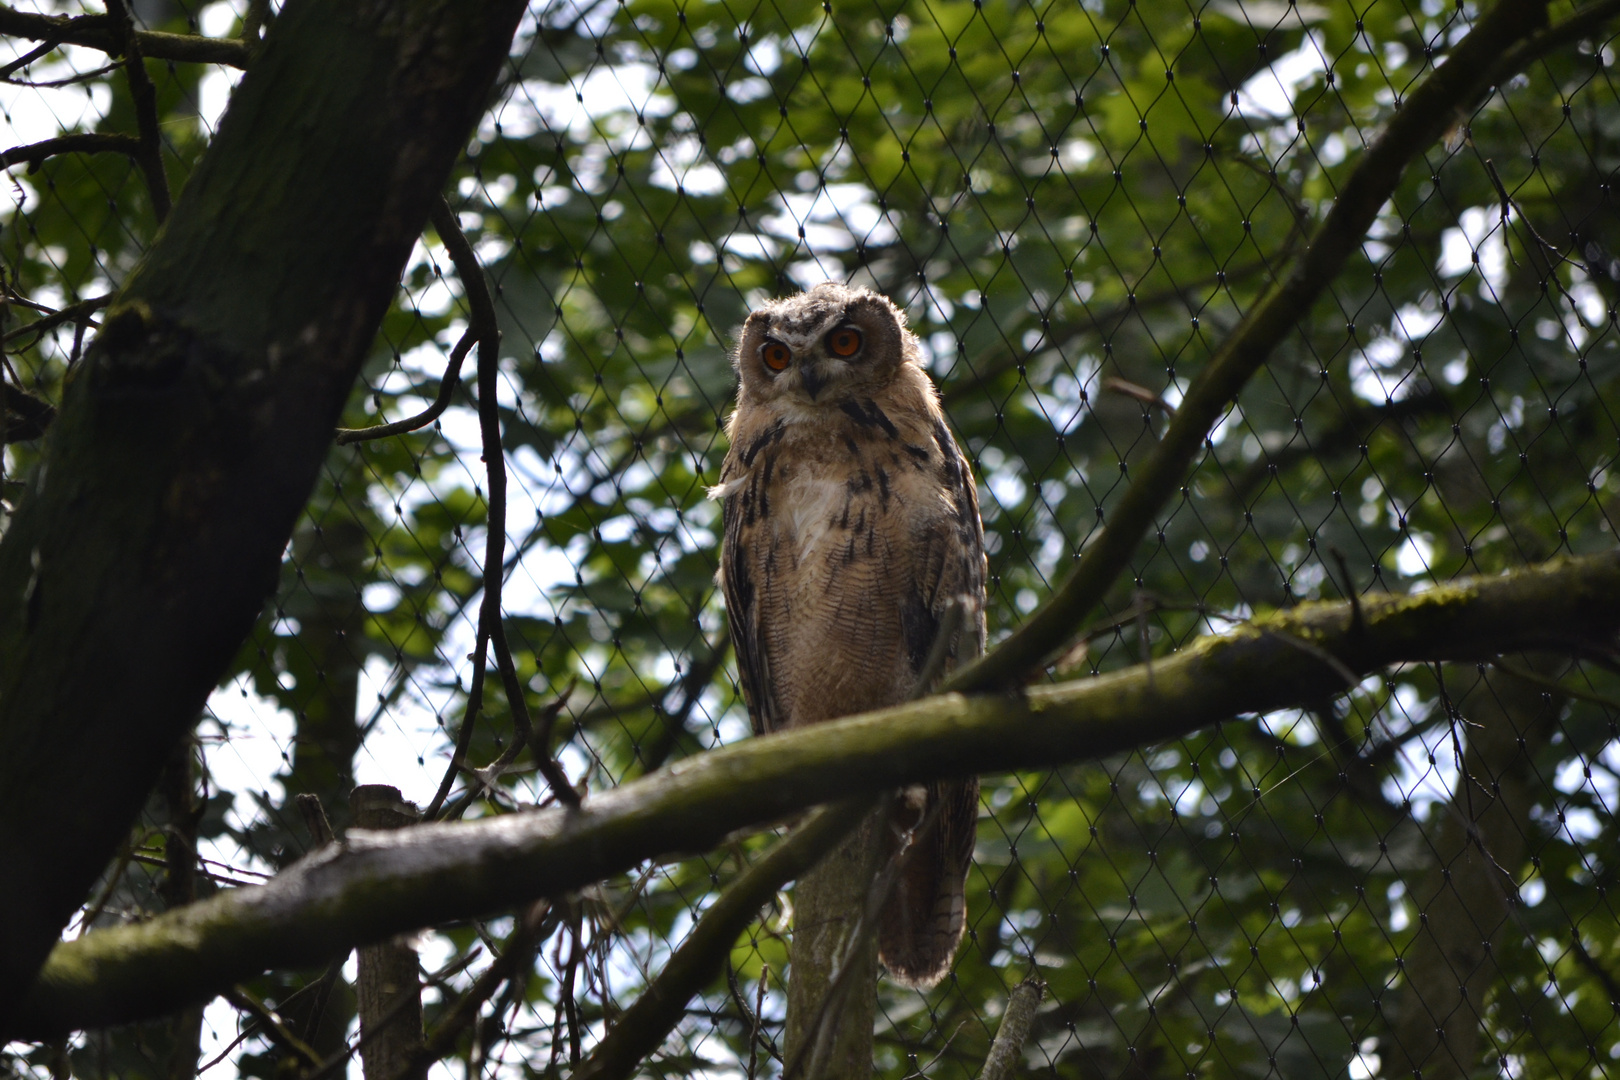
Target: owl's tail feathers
921	925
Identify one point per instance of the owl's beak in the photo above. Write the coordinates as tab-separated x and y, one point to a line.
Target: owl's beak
810	378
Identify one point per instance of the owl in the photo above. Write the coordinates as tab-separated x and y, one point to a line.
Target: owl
851	532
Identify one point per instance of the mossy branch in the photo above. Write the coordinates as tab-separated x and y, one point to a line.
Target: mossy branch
99	32
380	884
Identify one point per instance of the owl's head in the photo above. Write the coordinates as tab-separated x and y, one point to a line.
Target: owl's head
821	346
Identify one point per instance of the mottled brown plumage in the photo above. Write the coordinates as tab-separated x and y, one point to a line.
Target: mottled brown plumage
851	530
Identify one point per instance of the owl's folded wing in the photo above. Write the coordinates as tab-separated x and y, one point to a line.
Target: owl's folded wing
742	609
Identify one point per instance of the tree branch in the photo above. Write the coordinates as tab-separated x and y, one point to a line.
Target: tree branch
487	327
32	416
447	390
1473	66
88	142
144	96
1007	1052
380	884
646	1024
97	32
72	313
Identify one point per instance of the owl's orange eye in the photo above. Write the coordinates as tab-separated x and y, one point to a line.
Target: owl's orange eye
776	355
844	341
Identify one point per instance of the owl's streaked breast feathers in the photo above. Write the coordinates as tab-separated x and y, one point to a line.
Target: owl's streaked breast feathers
851	528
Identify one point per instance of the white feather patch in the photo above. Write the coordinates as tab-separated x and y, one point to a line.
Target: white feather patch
816	503
730	487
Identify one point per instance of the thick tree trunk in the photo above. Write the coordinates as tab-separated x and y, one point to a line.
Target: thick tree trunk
190	436
390	999
833	1038
1464	900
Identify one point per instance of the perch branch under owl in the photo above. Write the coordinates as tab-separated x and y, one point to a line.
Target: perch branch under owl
381	884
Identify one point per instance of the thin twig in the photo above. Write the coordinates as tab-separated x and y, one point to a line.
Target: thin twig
447	390
1358	624
271	1024
71	80
759	1021
1542	242
1137	392
144	95
220	879
569	1010
751	1016
484	327
1350	678
88	142
77	313
1556	686
523	730
469	715
540	746
26	58
243	1036
484	324
692	684
125	857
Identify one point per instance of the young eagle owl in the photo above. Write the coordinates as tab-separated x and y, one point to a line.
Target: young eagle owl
851	530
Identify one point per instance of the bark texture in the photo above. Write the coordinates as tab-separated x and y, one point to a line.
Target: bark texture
390	998
829	1028
190	436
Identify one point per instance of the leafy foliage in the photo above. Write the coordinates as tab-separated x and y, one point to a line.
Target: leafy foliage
1074	204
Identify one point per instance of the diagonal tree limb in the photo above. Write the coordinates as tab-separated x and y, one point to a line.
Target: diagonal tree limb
646	1024
381	884
512	963
1471	69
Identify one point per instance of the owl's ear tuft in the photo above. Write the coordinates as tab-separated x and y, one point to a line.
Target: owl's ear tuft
748	338
882	325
